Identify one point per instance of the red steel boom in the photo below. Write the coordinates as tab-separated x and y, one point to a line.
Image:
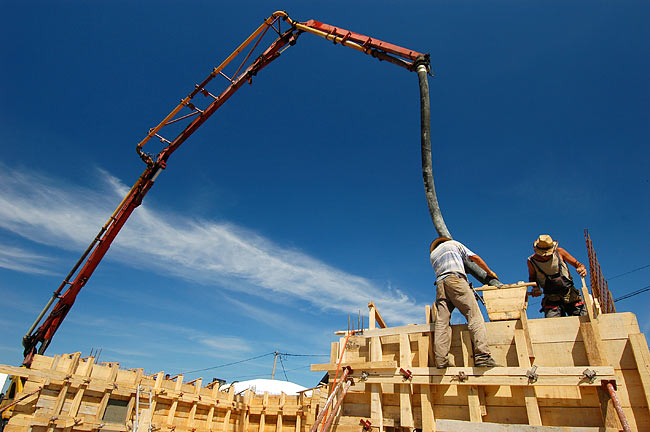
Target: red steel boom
155	164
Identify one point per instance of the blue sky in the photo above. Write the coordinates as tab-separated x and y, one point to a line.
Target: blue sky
302	198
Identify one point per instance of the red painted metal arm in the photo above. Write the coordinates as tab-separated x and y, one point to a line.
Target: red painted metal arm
155	164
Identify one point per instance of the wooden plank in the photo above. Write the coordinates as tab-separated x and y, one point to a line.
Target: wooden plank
226	418
76	402
589	302
197	390
593	344
406	410
449	425
354	365
523	321
334	353
415	328
172	409
265	402
244	419
301	402
375	317
596	355
60	400
428	418
278	422
642	357
473	398
530	398
376	411
210	416
505	286
559	376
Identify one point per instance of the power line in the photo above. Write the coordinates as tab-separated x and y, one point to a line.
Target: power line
633	293
229	364
304	355
266	374
628	272
283	370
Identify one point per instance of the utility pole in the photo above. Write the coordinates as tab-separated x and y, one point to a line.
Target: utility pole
275	362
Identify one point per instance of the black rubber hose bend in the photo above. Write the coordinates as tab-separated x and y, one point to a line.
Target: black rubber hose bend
427	172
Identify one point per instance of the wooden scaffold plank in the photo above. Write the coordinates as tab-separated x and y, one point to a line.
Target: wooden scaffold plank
376	412
177	390
226	418
197	391
642	357
476	411
428	418
278	422
405	390
76	402
530	398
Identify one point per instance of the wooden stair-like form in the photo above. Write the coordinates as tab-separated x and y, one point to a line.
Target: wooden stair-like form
551	379
76	394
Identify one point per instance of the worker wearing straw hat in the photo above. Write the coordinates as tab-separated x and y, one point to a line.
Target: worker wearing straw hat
548	268
453	291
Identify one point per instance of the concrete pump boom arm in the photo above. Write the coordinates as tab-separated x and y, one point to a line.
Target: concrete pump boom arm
93	255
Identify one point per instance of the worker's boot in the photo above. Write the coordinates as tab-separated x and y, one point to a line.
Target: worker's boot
444	364
485	361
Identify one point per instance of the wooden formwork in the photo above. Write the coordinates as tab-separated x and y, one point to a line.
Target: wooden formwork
71	393
550	379
552	374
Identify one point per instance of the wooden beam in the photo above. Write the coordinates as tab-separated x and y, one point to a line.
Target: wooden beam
172	409
376	411
428	418
405	390
476	411
642	357
530	398
197	389
265	402
513	376
596	356
375	318
355	365
415	328
76	402
278	423
226	419
445	425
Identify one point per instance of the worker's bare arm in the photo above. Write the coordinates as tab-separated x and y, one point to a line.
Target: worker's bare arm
566	256
532	277
478	260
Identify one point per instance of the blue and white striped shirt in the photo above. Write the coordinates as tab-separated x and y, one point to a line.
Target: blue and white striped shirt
447	258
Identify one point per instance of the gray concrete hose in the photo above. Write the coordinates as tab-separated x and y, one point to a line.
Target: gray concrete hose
427	172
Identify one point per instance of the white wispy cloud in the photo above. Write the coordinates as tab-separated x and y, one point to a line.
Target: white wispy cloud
224	343
18	259
213	253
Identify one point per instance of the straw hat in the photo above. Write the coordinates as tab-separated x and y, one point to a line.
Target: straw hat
437	241
544	245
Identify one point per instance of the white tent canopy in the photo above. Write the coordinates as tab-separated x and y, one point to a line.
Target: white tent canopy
260	386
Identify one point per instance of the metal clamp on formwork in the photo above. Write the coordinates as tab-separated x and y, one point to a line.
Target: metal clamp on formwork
364	376
406	374
532	376
462	376
589	375
365	424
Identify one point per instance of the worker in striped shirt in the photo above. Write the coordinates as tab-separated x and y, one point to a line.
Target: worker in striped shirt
454	292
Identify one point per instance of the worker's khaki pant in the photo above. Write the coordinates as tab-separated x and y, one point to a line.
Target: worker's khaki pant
454	291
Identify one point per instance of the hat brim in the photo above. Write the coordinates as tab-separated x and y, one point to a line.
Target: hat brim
436	242
544	252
